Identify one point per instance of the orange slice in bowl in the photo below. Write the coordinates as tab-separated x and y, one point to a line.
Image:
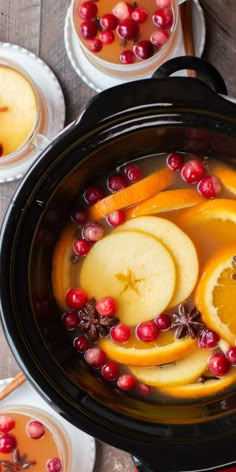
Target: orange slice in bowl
215	295
227	177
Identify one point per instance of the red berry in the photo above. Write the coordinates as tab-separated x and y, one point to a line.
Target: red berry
95	357
35	429
175	161
93	194
231	355
122	10
133	172
81	344
76	298
159	38
106	306
139	15
1	150
70	320
218	364
193	171
93	232
110	370
163	321
208	339
81	247
54	465
163	3
127	57
163	18
7	423
120	333
144	389
116	182
108	21
7	443
147	331
88	29
209	186
88	10
128	29
107	37
126	382
80	216
143	50
116	218
95	45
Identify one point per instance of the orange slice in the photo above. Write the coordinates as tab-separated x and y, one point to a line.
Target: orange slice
226	175
146	188
166	201
215	295
165	349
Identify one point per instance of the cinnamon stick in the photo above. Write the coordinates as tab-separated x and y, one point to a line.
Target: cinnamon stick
187	27
4	109
18	380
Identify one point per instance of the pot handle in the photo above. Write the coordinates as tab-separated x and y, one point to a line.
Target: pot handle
205	69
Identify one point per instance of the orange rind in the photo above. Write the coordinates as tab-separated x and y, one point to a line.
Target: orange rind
226	175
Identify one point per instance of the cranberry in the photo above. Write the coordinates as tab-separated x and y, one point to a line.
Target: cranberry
93	232
163	321
88	29
1	150
106	306
163	3
93	194
95	357
122	10
116	218
107	37
116	182
81	247
139	15
54	465
81	344
231	355
163	18
128	29
80	216
147	331
110	370
70	320
127	57
120	333
126	382
209	186
175	161
218	364
143	50
7	423
133	172
159	38
35	429
95	45
144	389
108	21
88	10
7	443
208	339
76	298
193	171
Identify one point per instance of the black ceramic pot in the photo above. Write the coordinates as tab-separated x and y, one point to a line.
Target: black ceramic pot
134	119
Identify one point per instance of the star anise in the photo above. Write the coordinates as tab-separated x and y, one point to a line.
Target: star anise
94	324
18	463
187	322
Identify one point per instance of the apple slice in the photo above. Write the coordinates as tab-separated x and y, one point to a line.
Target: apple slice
135	269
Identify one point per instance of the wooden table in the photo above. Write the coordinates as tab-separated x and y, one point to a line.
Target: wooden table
38	26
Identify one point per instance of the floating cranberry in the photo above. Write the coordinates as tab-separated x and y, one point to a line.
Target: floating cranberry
126	382
116	182
231	355
128	29
122	10
175	161
144	389
110	370
95	45
81	344
133	172
193	171
70	320
88	29
159	38
7	423
95	357
209	186
93	194
7	443
76	298
120	333
163	18
163	3
108	21
143	50
147	331
81	247
116	218
93	232
139	15
163	321
106	306
218	364
88	10
107	37
208	339
80	217
127	57
54	465
35	429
